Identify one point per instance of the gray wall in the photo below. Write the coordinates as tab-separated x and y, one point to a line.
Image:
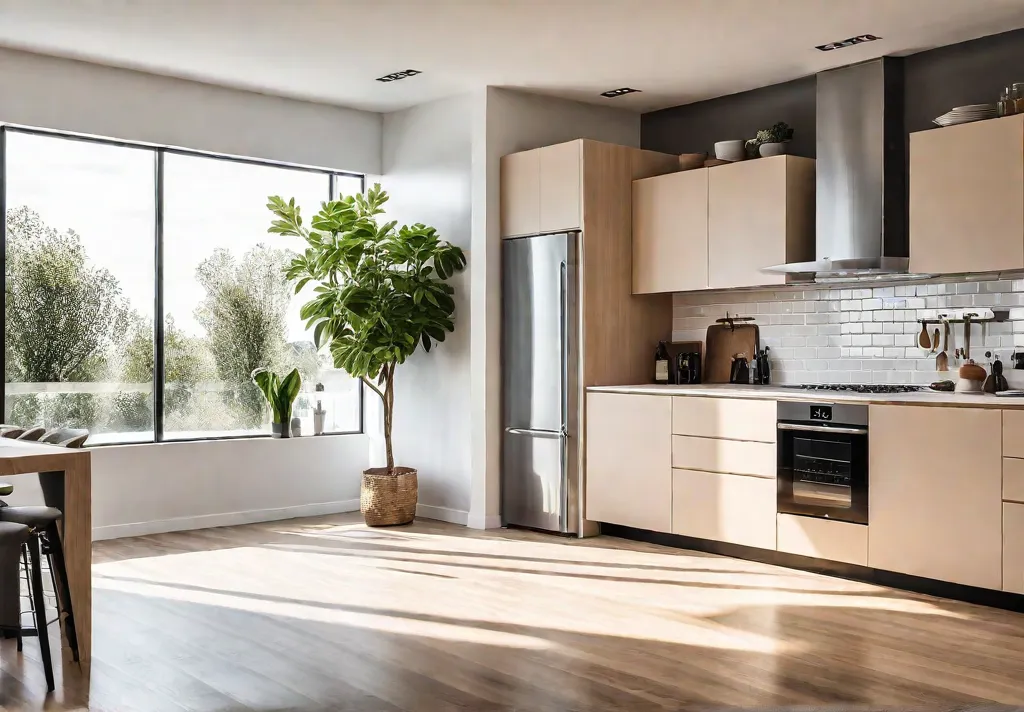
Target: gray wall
936	80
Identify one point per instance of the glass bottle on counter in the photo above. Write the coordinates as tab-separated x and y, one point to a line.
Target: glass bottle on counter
661	363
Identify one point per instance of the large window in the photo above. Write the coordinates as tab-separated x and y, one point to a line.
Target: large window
99	237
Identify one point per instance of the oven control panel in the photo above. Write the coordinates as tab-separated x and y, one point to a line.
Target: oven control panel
821	412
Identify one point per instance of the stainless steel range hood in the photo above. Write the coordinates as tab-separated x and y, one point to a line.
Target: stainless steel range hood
861	199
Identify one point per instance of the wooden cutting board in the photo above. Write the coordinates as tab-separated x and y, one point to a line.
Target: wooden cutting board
722	343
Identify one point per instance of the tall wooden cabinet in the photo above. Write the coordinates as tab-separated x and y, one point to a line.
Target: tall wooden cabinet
719	227
587	185
935	501
967	197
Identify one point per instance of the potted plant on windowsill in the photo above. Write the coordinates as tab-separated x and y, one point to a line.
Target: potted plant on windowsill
281	394
381	293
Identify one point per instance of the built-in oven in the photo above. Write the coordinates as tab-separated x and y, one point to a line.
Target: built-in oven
823	460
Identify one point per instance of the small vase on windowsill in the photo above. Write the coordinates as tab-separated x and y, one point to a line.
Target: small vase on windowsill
278	430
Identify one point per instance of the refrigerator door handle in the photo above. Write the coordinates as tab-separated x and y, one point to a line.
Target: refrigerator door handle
537	433
563	339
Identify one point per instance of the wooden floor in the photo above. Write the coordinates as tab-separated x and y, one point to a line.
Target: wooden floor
325	614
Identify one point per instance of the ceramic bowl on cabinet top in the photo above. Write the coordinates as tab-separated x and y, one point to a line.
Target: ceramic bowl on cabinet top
731	150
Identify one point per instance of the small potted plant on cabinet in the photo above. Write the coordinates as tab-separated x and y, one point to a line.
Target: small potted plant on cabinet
381	293
772	142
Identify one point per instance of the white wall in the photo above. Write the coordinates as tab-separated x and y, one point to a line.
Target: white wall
145	489
426	165
54	93
150	488
507	121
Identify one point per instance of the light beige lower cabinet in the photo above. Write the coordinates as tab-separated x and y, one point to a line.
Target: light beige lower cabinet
1013	547
732	508
823	539
738	457
729	418
935	500
629	460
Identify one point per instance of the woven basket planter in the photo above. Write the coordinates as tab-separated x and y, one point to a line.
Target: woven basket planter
386	500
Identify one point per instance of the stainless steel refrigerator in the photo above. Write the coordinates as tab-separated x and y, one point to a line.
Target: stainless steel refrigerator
540	477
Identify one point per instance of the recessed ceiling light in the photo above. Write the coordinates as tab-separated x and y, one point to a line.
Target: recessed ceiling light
395	76
611	94
850	42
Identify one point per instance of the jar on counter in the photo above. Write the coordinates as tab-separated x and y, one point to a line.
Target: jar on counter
1017	94
1006	105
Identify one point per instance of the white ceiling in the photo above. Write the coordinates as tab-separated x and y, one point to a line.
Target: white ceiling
676	51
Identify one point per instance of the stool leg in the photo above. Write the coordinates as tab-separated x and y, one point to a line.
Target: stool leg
37	596
63	591
31	604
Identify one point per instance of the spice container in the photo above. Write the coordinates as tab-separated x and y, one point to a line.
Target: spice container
1006	106
1017	94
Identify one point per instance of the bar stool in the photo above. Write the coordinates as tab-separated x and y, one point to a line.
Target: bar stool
44	539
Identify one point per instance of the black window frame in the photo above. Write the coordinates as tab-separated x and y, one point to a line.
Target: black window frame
159	152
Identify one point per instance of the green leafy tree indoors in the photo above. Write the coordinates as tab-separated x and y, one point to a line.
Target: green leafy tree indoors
245	317
381	291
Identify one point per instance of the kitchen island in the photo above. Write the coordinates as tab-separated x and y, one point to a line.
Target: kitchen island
711	467
19	457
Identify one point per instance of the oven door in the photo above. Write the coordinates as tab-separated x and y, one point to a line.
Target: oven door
823	471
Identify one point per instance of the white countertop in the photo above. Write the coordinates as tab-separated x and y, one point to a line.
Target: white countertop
727	390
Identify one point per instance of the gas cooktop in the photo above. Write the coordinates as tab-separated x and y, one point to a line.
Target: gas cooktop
860	387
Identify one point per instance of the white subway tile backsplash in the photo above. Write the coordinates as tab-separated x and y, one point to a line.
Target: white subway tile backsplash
858	334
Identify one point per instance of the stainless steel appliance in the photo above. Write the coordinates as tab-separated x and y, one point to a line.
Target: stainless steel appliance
862	208
823	460
540	475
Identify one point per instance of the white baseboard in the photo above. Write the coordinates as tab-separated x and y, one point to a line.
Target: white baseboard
442	514
205	521
483	521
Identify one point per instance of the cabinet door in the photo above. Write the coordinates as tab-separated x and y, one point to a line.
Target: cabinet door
670	232
935	493
967	197
1013	547
823	539
520	194
746	222
560	187
629	460
732	508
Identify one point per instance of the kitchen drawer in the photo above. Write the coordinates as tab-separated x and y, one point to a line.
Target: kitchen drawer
1013	479
823	539
1013	433
1013	547
740	457
729	418
729	508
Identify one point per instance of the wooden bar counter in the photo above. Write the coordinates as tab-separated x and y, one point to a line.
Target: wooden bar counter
17	458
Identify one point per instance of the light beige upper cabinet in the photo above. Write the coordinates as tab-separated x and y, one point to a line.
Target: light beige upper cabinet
967	197
560	188
670	232
760	213
629	460
935	497
520	193
541	190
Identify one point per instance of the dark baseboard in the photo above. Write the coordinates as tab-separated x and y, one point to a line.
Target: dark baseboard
863	574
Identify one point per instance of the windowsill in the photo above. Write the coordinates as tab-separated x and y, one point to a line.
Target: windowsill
214	438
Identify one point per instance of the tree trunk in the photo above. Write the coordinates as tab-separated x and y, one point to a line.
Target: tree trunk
389	407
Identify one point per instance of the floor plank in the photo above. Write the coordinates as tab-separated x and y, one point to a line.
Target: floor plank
326	614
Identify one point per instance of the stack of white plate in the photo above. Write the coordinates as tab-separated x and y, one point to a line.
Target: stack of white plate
966	114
